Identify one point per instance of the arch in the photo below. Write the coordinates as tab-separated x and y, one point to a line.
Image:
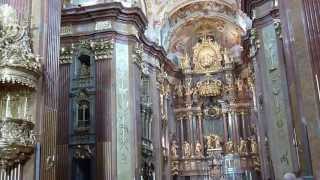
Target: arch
193	11
182	3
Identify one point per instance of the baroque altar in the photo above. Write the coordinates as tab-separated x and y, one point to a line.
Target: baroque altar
214	136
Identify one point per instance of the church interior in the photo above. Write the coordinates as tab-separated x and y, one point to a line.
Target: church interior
159	89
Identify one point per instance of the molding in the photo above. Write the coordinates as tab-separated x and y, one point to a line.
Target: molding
117	13
114	11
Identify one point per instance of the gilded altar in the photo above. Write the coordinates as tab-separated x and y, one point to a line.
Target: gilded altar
212	115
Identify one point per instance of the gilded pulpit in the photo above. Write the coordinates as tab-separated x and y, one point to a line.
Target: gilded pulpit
19	73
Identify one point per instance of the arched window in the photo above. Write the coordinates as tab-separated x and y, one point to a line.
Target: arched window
83	114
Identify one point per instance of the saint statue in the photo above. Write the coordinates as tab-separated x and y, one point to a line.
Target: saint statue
253	145
186	150
210	142
198	150
84	70
174	149
229	147
217	141
226	57
179	89
240	85
243	148
185	62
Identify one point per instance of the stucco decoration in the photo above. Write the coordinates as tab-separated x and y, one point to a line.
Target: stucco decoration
18	64
221	19
19	72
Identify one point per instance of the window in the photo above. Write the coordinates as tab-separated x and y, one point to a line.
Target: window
83	114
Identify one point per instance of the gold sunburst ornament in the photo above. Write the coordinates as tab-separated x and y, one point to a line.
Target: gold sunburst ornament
207	56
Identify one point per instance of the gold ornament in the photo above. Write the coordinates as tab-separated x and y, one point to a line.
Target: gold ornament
198	150
229	147
174	150
18	64
253	145
186	150
243	148
185	63
207	56
210	87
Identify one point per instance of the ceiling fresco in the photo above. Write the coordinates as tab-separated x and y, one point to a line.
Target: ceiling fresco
178	24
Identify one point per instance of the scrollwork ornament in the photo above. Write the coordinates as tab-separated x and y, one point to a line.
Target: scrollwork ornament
207	56
254	43
18	64
17	140
137	56
83	152
102	49
210	87
277	26
66	54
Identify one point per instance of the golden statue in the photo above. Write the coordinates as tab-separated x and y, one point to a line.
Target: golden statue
185	63
207	56
226	57
210	142
240	85
243	148
213	142
253	145
186	150
217	141
174	149
179	89
198	150
229	147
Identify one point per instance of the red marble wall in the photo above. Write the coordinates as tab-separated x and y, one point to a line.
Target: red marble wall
63	123
312	23
103	118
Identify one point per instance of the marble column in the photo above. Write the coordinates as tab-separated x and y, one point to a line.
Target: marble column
181	119
243	125
200	121
225	126
299	20
190	132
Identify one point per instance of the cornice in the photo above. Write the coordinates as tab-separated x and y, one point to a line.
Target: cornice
105	11
251	4
114	12
149	47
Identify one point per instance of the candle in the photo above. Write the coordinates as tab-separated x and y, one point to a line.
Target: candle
7	106
25	108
